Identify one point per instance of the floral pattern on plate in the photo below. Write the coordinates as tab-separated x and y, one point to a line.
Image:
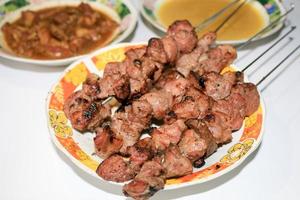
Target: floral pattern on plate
230	156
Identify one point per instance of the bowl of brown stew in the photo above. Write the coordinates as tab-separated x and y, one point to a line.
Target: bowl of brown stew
59	32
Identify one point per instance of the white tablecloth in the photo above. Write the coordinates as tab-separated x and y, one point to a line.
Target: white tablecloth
32	168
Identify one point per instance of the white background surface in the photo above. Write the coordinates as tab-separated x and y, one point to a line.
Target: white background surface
32	168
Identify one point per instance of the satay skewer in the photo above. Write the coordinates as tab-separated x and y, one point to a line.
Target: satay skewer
278	65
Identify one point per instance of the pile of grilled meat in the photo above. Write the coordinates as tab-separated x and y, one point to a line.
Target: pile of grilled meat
175	83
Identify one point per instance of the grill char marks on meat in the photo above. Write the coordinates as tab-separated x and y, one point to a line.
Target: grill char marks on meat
174	83
200	127
148	181
194	105
84	113
184	34
175	163
105	142
115	168
191	62
167	135
140	153
192	145
128	125
249	92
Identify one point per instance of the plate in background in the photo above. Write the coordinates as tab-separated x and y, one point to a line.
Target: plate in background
270	9
123	10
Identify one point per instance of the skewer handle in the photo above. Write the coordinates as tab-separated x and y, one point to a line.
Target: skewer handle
261	55
280	63
231	15
210	19
267	27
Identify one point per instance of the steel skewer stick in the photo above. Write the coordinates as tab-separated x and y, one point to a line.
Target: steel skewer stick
278	65
267	27
231	15
261	55
210	19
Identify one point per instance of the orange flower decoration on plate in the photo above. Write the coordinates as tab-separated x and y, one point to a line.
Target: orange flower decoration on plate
79	147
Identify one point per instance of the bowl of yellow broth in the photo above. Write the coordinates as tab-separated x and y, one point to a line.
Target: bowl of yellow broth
251	18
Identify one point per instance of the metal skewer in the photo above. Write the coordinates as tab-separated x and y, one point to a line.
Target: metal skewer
280	63
210	19
229	17
267	27
261	55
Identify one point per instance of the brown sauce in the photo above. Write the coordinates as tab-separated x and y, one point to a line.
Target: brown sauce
59	32
244	24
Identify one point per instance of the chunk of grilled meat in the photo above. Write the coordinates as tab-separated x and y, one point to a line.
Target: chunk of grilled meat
167	135
175	163
192	146
115	168
140	152
249	92
201	128
220	131
216	59
106	143
85	113
184	34
194	105
191	61
128	125
147	182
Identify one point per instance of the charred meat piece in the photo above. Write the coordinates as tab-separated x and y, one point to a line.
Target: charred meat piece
155	51
128	125
105	143
184	35
217	86
177	88
189	62
160	102
114	68
84	113
167	76
207	40
216	59
192	61
192	145
166	135
175	164
140	153
194	105
90	86
147	182
249	92
233	107
220	131
200	127
170	48
136	53
115	168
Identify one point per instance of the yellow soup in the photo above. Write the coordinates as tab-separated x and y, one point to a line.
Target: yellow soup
249	20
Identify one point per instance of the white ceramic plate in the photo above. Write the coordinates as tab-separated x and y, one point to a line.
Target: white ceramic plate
80	147
270	10
120	10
